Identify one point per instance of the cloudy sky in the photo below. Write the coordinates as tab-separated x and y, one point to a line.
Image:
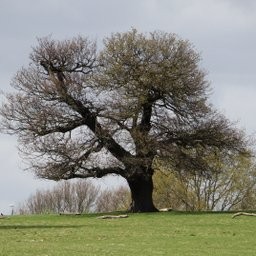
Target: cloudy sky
223	31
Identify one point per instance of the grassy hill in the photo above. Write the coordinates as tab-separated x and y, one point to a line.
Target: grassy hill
141	234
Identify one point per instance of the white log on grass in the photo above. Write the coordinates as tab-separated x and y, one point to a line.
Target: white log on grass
113	216
244	214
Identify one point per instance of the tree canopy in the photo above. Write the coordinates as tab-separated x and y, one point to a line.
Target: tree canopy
229	185
81	112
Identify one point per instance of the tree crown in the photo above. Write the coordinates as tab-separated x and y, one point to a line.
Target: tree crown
81	112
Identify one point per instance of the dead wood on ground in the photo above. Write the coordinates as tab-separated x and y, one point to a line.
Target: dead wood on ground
244	214
113	216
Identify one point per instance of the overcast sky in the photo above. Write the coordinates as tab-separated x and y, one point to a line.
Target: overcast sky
223	31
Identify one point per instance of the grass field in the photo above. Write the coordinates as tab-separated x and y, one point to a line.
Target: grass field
140	234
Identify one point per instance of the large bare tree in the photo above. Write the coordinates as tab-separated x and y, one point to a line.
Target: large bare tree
80	112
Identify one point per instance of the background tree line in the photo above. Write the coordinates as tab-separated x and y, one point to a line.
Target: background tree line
81	196
232	186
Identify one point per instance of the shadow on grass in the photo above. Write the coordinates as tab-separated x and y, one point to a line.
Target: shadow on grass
5	227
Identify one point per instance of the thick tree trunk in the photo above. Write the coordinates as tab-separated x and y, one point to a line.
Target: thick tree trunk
141	187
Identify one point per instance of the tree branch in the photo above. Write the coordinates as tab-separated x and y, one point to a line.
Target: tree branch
62	129
89	118
95	173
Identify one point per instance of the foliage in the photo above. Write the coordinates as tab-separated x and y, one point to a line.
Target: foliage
229	185
80	112
176	234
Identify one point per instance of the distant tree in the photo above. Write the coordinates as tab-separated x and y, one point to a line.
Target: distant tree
113	200
230	185
248	202
81	113
77	197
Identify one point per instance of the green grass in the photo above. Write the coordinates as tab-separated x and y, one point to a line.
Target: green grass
140	234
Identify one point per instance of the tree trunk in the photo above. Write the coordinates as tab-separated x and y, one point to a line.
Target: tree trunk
141	187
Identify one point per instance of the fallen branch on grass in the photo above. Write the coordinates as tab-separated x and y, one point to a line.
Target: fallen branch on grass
165	210
112	216
69	213
243	213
